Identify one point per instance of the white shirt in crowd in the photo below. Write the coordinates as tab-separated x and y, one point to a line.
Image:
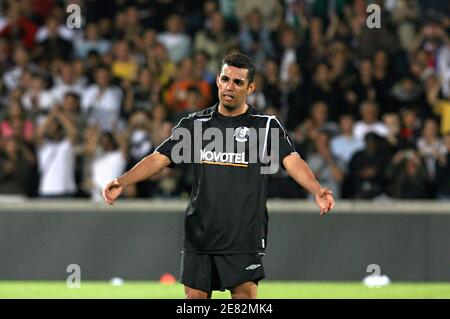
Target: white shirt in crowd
103	107
430	153
178	45
344	147
11	78
44	100
361	129
56	162
60	89
104	168
63	31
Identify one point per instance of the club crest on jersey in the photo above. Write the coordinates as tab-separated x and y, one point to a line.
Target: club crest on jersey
241	134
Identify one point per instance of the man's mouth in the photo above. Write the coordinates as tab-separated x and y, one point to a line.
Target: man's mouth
228	96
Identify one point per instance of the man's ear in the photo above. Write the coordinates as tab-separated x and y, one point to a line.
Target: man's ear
251	88
217	79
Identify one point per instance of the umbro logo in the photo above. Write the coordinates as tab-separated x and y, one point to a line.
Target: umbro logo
241	133
252	267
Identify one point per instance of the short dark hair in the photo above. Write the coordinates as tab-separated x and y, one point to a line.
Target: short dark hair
240	61
73	95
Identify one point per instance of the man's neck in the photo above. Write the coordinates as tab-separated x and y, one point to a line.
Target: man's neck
232	112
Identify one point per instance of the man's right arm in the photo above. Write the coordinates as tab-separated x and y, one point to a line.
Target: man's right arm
146	168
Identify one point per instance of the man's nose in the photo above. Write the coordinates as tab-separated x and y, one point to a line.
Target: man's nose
230	86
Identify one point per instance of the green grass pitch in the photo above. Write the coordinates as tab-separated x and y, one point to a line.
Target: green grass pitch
268	289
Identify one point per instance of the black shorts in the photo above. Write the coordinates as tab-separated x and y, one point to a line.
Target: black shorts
219	272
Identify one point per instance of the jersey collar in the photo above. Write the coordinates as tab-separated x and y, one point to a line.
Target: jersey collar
250	110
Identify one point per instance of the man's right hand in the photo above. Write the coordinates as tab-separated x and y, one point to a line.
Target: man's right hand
112	191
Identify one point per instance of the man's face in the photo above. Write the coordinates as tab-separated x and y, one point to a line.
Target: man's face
70	104
233	86
102	78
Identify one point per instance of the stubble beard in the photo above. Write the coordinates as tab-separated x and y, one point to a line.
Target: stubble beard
230	107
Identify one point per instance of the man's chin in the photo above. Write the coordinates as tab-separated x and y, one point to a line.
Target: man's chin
229	106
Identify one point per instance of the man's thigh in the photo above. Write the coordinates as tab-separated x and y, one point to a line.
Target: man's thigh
235	270
198	272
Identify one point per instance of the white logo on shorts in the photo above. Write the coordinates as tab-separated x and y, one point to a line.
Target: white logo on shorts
252	267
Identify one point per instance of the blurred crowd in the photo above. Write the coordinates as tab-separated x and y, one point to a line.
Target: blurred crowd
367	108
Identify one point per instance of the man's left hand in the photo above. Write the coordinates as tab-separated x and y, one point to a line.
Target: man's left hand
325	200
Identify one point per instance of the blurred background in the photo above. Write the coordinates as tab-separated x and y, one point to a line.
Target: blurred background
367	108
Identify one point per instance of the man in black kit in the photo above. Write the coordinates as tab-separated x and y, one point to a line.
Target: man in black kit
226	218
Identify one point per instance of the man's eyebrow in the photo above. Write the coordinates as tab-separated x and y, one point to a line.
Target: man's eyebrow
237	80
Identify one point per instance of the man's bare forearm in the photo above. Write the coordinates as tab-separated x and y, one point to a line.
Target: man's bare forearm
146	168
299	170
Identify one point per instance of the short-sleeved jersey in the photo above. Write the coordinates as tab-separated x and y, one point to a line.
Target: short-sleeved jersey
227	213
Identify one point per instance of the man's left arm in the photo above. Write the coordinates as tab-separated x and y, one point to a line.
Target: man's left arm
299	170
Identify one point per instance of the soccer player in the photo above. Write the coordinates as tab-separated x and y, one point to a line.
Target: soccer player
226	218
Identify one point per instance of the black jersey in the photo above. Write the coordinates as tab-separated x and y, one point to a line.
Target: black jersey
227	213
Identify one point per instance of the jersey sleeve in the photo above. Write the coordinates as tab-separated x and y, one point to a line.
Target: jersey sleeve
177	136
285	146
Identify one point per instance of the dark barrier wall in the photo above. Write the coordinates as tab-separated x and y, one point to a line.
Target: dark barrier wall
136	242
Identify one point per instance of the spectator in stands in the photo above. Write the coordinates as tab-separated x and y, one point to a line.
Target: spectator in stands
11	77
142	44
54	46
440	105
383	80
363	88
200	59
290	52
174	38
407	175
321	89
407	93
443	172
124	65
37	98
345	145
176	97
4	54
141	95
65	81
410	128
56	155
271	88
16	124
106	154
392	122
91	42
18	26
433	39
62	31
102	100
71	108
255	39
214	40
372	39
17	161
194	102
328	169
159	63
316	46
430	147
258	99
405	15
366	169
139	133
369	121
